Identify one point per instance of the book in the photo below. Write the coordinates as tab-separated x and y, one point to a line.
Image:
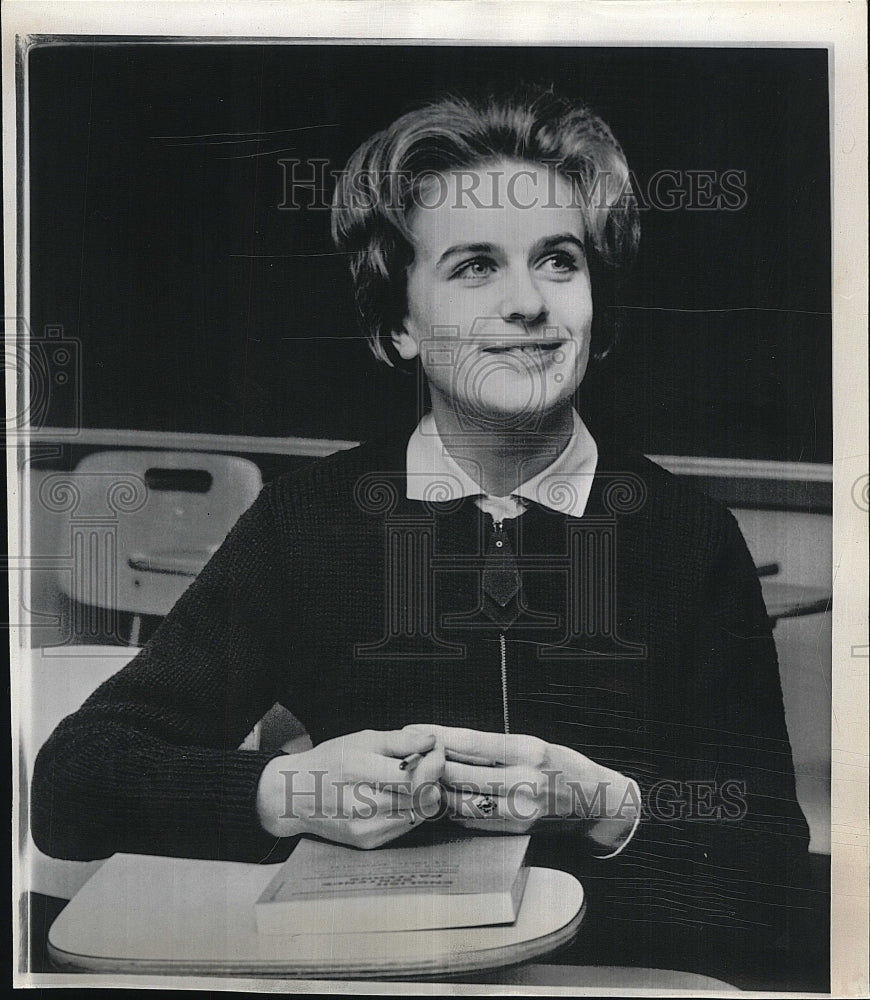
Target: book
450	881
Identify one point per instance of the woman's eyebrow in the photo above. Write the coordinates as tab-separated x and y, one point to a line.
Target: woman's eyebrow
548	242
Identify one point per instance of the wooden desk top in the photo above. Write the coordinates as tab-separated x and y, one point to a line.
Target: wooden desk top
172	916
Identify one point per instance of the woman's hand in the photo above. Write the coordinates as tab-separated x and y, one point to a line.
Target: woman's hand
352	789
508	783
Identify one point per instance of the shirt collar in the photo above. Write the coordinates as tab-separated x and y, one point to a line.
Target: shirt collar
564	486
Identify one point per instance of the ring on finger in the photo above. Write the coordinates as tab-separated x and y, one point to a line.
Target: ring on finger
484	804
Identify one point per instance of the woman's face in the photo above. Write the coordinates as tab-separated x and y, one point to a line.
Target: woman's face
499	298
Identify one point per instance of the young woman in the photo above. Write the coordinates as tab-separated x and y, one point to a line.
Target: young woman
492	618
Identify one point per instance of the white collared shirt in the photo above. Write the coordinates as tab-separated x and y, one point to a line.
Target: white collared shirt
563	486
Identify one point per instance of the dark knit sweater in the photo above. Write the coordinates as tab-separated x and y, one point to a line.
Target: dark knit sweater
683	690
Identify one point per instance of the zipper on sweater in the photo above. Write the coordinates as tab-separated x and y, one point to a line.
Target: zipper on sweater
498	529
502	642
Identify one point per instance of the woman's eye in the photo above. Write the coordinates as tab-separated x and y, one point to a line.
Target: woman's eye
560	263
480	267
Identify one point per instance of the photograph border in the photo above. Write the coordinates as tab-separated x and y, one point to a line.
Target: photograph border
839	26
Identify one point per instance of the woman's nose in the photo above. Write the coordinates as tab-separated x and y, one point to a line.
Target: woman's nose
523	301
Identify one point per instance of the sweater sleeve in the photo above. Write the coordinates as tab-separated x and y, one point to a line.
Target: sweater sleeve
719	862
150	763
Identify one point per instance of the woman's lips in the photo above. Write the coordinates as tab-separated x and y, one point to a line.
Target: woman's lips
533	347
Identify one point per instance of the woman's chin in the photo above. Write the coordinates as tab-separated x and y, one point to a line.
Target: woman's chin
504	414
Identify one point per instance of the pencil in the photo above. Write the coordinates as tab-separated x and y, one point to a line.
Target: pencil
411	761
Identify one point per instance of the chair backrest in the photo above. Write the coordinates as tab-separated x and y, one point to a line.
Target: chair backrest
146	522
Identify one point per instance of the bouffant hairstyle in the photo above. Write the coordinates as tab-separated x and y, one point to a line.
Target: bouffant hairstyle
384	179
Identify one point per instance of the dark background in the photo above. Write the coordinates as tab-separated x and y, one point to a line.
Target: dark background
157	241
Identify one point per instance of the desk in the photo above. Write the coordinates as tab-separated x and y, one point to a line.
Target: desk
174	916
613	977
791	600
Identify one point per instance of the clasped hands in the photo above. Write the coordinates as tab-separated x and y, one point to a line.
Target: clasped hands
362	790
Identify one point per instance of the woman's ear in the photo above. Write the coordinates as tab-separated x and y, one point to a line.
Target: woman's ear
405	344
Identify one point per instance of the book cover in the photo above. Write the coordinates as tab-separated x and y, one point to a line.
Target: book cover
451	881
